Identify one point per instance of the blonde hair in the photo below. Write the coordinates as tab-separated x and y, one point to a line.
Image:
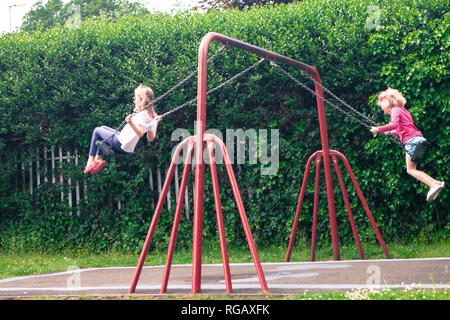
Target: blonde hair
391	98
146	93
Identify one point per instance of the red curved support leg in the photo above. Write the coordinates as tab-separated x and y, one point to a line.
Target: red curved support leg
364	203
299	207
176	218
156	215
242	214
347	205
219	215
316	207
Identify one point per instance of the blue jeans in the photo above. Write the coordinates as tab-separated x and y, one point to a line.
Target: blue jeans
103	133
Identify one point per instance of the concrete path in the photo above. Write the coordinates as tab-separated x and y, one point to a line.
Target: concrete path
285	278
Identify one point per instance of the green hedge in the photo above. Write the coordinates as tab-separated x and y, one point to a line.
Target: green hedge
57	85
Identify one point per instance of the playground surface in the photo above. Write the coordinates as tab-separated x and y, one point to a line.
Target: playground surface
282	278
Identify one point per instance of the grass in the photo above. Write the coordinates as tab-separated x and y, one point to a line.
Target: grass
385	294
29	263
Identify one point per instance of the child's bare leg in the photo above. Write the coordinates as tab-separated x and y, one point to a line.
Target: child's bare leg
420	175
93	159
98	158
90	161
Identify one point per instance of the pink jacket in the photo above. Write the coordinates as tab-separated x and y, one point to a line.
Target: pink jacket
401	124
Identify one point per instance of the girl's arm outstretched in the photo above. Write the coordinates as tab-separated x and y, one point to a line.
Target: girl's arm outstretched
151	135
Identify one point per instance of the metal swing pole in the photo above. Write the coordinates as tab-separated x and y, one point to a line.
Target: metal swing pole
199	186
334	154
155	218
200	145
227	41
326	165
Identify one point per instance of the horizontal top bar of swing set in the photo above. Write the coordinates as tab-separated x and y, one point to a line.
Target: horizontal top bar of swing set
264	53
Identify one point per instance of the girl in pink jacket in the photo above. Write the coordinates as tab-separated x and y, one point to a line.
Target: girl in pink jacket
392	102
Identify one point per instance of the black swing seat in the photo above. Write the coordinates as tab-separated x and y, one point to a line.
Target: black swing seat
420	151
109	151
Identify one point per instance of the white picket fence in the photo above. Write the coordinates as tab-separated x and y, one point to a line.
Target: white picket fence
41	168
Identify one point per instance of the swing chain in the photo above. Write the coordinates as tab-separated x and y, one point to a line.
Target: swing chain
364	124
221	85
179	84
215	88
370	121
182	82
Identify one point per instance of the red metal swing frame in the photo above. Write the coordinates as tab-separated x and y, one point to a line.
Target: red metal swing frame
198	141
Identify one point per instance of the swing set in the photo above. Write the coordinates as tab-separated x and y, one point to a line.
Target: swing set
197	142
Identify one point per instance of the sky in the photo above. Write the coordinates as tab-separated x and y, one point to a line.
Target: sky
12	11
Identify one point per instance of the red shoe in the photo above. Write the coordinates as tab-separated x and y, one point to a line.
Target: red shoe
88	168
98	166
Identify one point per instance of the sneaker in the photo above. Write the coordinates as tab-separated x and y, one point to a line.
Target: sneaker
433	193
98	166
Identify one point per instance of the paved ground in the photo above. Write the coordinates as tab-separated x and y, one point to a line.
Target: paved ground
291	277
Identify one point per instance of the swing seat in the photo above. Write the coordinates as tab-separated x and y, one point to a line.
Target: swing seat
109	151
420	152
